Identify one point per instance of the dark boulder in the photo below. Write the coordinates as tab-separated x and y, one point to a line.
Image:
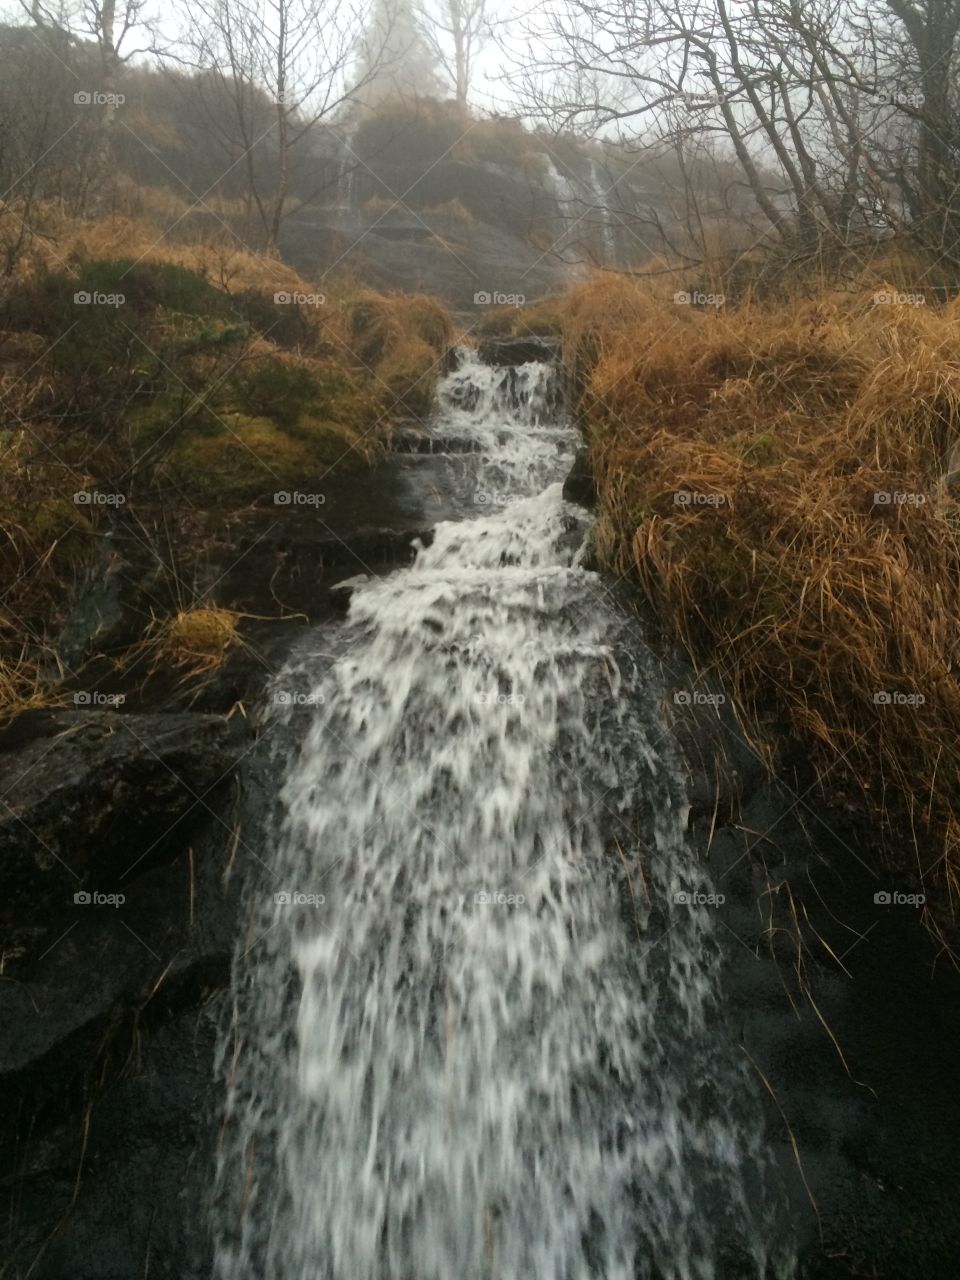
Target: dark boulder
580	486
101	793
520	350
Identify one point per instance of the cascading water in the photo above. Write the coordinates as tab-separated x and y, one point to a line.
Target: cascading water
476	1031
601	195
583	206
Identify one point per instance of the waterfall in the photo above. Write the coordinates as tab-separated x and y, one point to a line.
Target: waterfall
600	195
582	206
477	1030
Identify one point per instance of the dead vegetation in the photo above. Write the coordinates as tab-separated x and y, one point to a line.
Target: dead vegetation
779	478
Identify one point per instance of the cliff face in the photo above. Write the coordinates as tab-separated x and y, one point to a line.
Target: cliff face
428	198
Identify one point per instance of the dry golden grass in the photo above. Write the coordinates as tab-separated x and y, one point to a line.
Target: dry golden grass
195	641
815	602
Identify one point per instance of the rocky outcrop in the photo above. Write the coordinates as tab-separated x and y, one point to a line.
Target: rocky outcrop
518	350
101	793
834	997
580	486
116	841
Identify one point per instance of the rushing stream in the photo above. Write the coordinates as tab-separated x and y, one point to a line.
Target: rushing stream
476	1016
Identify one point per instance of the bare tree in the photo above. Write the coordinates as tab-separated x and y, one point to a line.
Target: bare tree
456	31
103	29
803	93
284	66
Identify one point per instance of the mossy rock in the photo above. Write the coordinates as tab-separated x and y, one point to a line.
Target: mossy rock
247	458
332	445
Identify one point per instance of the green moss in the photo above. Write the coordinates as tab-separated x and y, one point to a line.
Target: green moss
278	390
58	519
332	445
249	457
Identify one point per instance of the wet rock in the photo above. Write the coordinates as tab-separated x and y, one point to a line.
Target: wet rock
580	486
341	592
838	1003
114	600
101	792
421	440
106	1091
522	350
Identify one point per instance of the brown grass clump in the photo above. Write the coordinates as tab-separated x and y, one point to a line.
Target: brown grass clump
401	340
744	460
195	641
